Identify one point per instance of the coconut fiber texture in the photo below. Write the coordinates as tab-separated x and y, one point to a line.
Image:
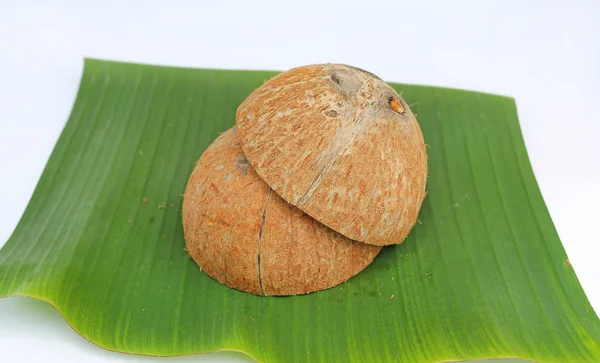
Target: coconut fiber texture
340	144
484	276
247	237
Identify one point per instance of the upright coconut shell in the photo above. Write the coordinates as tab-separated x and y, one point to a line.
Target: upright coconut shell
245	236
340	144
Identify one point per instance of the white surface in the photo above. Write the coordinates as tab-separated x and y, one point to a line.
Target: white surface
543	53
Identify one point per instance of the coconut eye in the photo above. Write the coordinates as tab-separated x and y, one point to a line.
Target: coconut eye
396	105
336	78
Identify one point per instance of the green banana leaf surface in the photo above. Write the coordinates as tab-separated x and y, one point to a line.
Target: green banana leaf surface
483	276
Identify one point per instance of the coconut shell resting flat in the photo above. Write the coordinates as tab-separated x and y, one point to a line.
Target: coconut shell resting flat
340	144
245	236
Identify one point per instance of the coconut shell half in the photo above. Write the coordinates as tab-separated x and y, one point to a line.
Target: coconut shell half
340	144
245	236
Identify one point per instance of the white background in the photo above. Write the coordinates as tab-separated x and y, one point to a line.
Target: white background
546	54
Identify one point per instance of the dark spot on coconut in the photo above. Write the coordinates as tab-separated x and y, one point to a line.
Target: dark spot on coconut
241	164
331	113
336	78
241	159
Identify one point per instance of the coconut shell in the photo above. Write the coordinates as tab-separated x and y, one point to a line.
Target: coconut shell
245	236
340	144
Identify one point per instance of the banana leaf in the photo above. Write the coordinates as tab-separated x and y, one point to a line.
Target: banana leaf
483	276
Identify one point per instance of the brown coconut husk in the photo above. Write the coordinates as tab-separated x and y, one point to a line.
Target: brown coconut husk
245	236
340	144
